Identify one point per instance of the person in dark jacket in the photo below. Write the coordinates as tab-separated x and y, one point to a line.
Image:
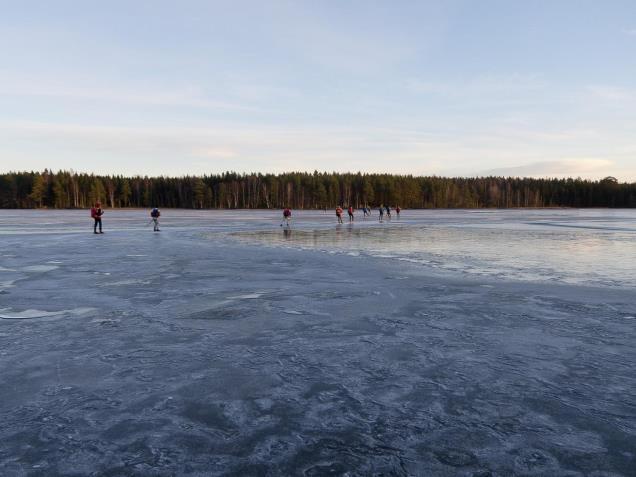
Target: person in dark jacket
96	214
155	214
286	216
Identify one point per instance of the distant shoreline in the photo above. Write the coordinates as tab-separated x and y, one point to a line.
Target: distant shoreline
301	190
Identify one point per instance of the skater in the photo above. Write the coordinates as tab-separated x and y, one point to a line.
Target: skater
339	214
397	211
96	214
350	212
365	211
155	214
381	209
286	216
388	212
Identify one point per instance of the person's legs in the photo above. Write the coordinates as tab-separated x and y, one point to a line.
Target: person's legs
100	225
95	225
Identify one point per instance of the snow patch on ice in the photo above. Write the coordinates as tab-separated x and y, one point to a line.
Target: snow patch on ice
7	284
249	296
40	268
7	314
19	315
130	281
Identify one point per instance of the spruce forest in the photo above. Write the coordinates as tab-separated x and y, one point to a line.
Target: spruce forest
300	190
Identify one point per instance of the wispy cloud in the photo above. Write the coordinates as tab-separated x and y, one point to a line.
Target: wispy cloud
572	167
216	153
177	97
612	93
215	146
478	86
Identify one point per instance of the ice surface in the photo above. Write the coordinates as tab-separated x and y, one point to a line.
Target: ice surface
448	343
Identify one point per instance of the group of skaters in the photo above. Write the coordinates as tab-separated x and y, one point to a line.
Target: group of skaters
97	212
387	210
382	209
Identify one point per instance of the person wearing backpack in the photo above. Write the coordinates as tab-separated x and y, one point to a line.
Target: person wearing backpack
155	214
96	214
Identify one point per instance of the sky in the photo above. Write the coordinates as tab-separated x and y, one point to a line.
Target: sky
542	88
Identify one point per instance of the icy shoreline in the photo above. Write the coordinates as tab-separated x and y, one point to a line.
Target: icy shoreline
173	354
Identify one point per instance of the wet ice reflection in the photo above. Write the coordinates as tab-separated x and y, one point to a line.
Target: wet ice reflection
568	249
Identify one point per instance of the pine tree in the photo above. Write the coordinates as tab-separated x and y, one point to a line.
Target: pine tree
39	189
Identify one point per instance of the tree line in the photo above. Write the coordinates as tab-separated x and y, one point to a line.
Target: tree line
302	190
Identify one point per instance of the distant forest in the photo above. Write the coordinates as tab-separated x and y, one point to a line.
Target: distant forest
302	190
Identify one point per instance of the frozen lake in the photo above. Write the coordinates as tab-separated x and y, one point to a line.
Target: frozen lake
441	343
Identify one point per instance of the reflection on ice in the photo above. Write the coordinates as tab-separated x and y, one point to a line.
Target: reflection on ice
509	250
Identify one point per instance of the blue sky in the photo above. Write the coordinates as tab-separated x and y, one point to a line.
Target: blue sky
540	88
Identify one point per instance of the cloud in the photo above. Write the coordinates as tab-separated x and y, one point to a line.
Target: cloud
215	147
576	167
612	93
177	97
630	31
216	152
505	84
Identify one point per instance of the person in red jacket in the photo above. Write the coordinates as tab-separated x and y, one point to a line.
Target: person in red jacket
96	214
339	214
350	212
